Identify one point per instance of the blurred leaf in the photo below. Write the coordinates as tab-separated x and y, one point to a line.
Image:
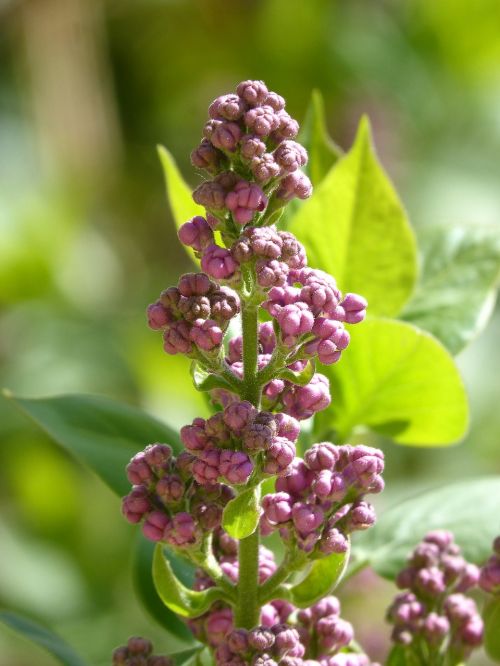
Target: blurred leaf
491	617
323	151
146	591
102	433
179	194
401	656
201	657
456	293
175	595
400	382
241	515
469	509
301	378
188	657
355	228
42	637
323	577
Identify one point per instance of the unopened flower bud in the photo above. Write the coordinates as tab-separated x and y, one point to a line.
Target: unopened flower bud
196	233
245	200
218	262
155	525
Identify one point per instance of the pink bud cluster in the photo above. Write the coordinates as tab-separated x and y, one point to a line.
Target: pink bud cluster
139	652
320	501
231	444
311	313
317	636
194	315
249	131
489	578
435	607
171	506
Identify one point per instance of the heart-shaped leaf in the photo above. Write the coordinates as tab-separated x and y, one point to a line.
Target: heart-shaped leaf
469	509
355	228
241	515
102	433
175	595
179	194
491	617
43	637
398	381
456	292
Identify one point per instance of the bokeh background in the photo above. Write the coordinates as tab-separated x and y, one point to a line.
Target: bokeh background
87	89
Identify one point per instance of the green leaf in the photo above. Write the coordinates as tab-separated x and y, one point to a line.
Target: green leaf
199	657
491	617
241	515
302	378
43	637
401	655
398	381
322	578
469	509
323	151
146	591
206	381
100	432
456	292
179	194
175	595
355	228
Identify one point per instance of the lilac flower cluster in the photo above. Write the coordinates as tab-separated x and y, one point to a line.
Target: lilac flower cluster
139	652
317	636
170	504
298	401
320	501
434	613
194	315
489	577
233	443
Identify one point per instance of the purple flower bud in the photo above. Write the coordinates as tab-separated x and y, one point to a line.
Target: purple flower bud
320	291
406	578
265	168
302	402
471	633
265	241
252	146
196	284
290	156
287	426
225	304
489	578
287	639
238	415
459	608
223	134
184	464
334	632
296	184
297	481
354	307
194	436
262	120
230	107
194	307
206	334
196	233
136	504
288	127
139	646
269	615
183	531
258	436
430	581
293	252
307	517
170	489
261	639
330	485
279	456
278	297
366	463
218	625
275	101
176	339
361	516
138	470
322	456
470	578
155	525
252	92
295	320
158	316
245	200
435	628
206	468
206	156
277	507
210	194
218	262
235	466
271	273
333	541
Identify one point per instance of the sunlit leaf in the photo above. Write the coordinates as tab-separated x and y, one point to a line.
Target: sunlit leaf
456	292
241	515
469	509
43	637
398	381
102	433
179	194
206	381
301	377
355	228
491	617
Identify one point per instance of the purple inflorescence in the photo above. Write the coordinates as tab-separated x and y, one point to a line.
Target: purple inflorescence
171	506
434	606
139	652
320	501
489	577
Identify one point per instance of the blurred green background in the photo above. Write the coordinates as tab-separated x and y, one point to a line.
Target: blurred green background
87	89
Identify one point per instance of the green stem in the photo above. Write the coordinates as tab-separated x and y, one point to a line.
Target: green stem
247	612
268	589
